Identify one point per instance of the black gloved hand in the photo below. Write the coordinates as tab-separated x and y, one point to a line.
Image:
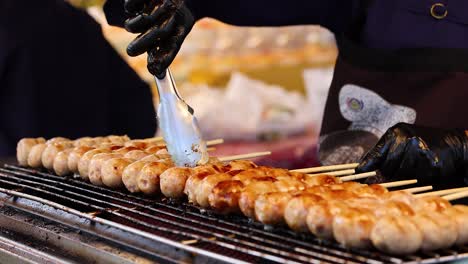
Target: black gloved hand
163	25
433	156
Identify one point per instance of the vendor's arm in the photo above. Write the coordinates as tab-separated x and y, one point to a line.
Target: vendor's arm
431	155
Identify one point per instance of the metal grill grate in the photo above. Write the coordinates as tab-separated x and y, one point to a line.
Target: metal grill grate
183	226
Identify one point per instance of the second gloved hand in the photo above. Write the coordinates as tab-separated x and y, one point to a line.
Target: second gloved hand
163	26
433	156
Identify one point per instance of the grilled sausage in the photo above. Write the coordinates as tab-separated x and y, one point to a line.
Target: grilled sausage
352	227
172	181
112	170
136	154
296	210
396	235
431	203
199	174
242	165
51	150
148	179
130	175
459	214
252	191
83	164
206	185
95	166
224	198
75	156
24	147
35	155
437	229
320	217
60	164
269	207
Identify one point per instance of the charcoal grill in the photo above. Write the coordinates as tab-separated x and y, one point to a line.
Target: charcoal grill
49	219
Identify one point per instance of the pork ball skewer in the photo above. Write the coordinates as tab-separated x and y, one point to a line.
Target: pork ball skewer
236	195
38	146
23	148
112	169
36	158
131	173
296	210
85	160
129	152
231	195
459	214
320	216
199	173
356	226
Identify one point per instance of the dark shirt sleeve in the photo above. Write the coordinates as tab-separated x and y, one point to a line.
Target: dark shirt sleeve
332	14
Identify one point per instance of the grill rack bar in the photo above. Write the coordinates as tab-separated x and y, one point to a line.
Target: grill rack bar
196	237
299	248
320	251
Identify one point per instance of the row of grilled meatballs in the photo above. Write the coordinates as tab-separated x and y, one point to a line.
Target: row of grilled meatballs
353	214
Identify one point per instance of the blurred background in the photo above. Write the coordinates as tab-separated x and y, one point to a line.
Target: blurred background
258	88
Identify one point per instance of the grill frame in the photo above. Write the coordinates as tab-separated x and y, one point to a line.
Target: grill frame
243	240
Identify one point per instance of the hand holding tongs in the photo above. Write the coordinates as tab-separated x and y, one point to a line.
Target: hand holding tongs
179	126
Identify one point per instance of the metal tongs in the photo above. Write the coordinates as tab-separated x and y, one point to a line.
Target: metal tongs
179	126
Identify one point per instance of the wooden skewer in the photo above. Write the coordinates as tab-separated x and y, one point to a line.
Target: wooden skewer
245	156
398	183
442	192
419	189
211	149
208	143
327	168
215	142
358	176
335	173
456	196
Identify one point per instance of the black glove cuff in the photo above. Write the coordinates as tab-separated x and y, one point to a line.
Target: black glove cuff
115	12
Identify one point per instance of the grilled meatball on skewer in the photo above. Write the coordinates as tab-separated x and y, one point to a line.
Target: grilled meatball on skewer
52	149
224	198
60	164
459	214
295	212
252	191
35	155
396	235
111	172
437	229
269	208
75	156
172	181
352	227
23	148
148	178
83	163
204	188
94	169
199	173
136	154
130	175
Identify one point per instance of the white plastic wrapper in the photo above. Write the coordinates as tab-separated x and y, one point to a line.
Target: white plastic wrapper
248	109
317	83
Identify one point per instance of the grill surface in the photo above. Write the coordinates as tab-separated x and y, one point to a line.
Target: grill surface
182	226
